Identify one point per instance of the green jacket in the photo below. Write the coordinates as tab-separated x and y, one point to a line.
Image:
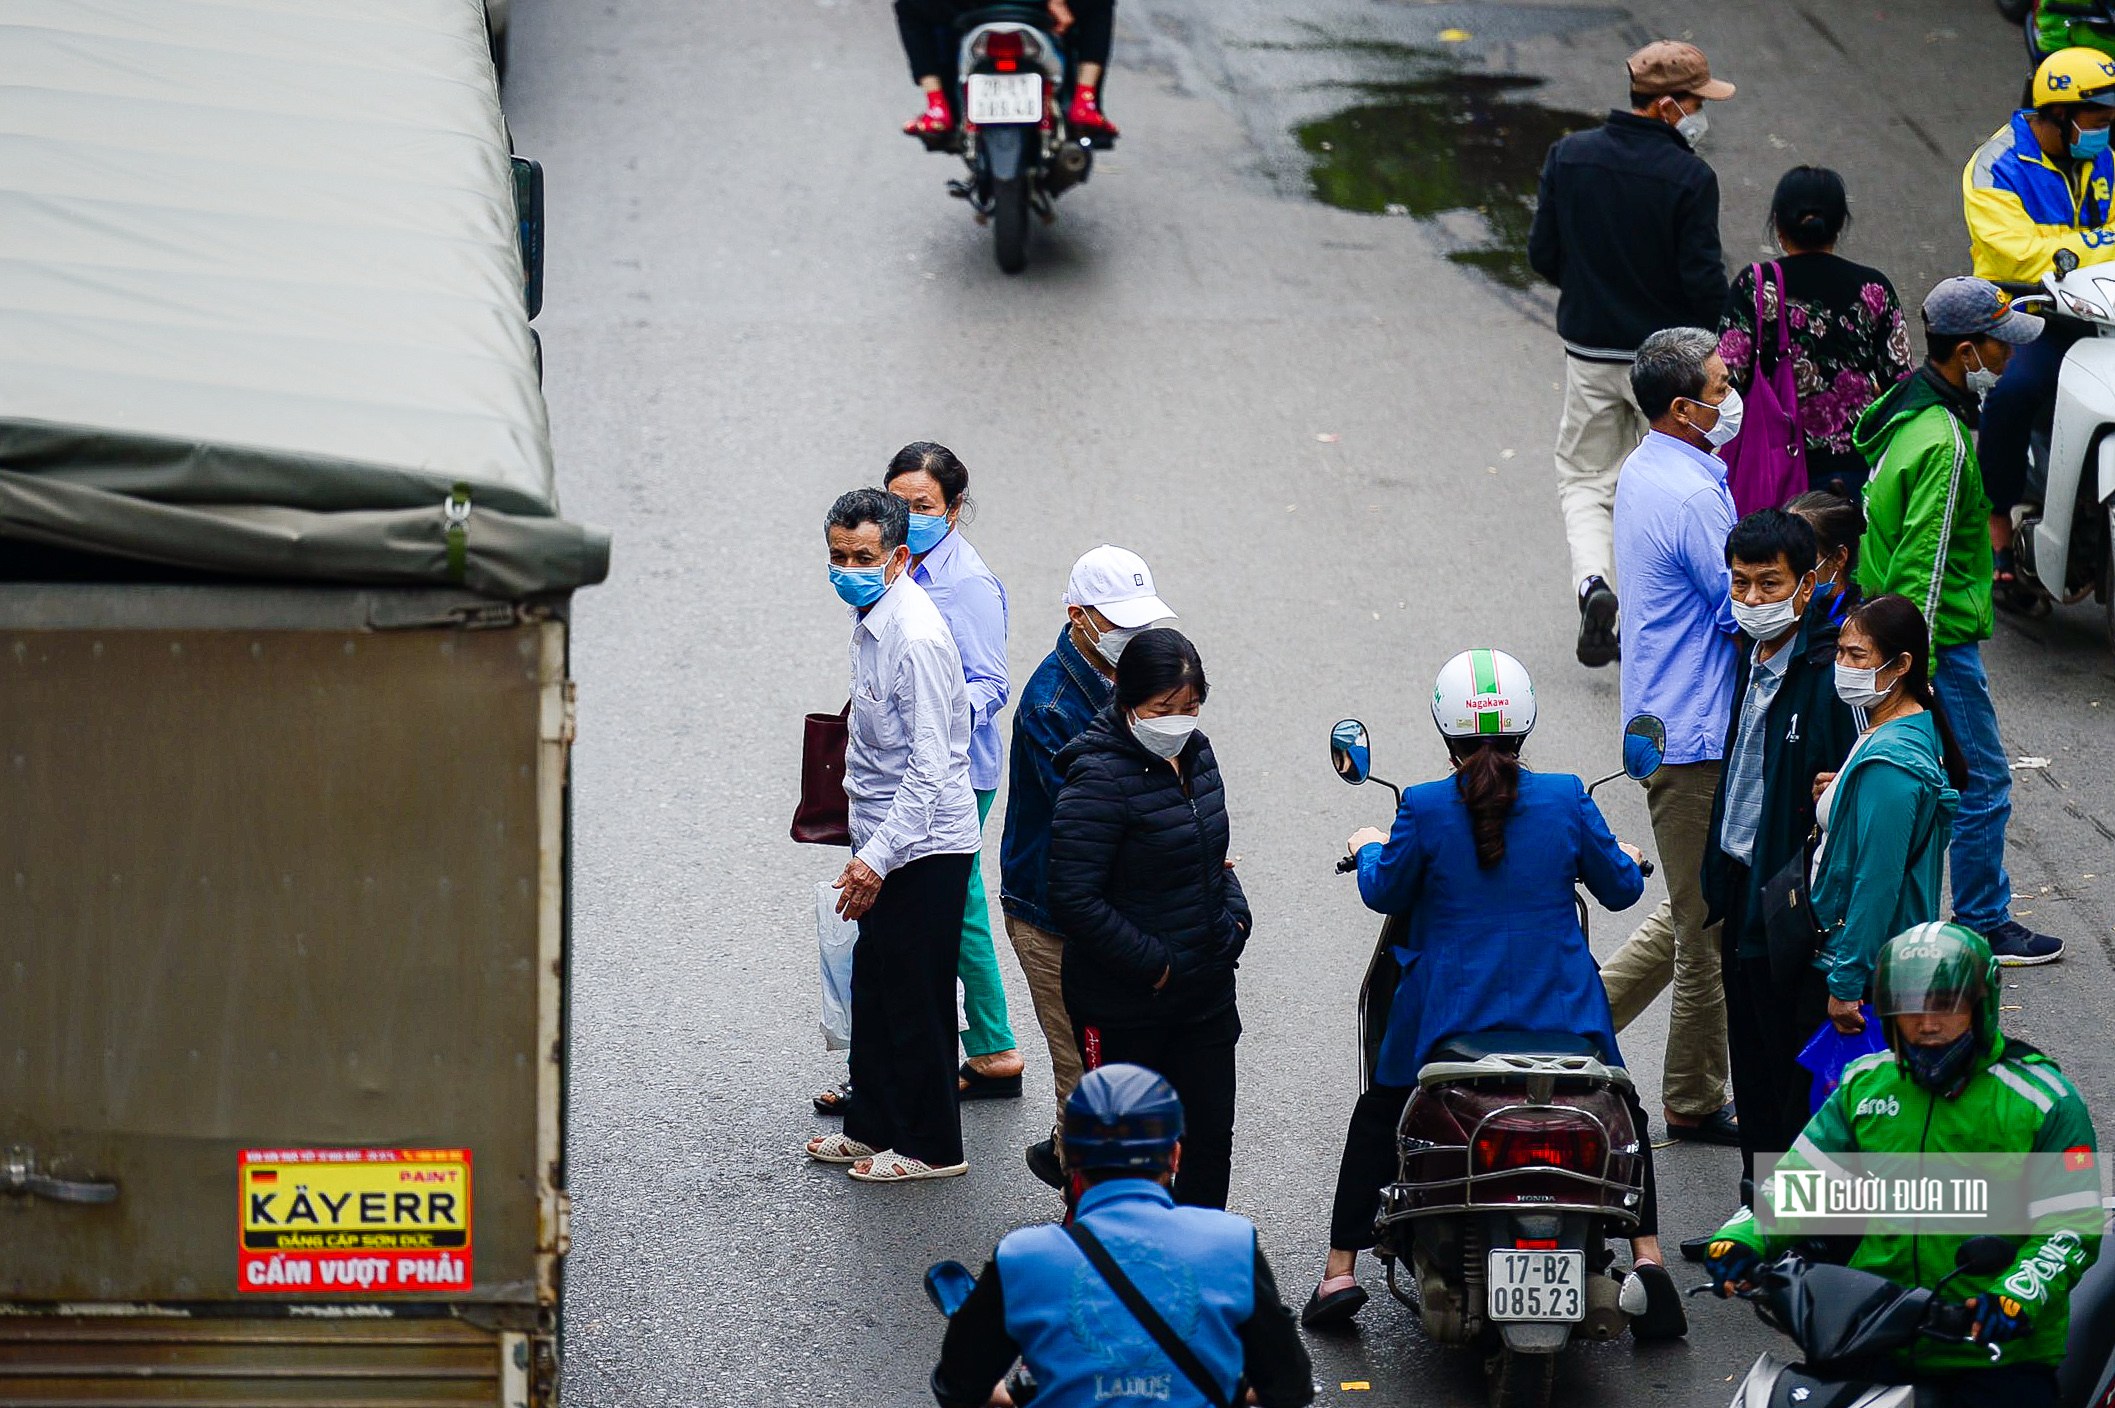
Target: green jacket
1927	531
2060	24
2016	1102
1889	824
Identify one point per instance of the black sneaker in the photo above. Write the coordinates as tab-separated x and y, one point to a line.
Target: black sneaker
1043	1163
1597	624
2018	946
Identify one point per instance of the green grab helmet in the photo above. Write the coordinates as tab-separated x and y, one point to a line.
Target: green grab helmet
1937	967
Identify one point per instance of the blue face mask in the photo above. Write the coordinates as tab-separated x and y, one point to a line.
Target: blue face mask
859	586
2090	144
926	532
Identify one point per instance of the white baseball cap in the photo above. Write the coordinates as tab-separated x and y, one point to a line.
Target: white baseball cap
1116	582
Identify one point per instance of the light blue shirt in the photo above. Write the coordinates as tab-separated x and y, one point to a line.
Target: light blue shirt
974	605
1673	512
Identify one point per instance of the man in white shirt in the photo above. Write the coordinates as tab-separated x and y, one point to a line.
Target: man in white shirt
914	837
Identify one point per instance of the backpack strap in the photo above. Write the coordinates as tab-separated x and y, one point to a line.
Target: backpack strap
1142	1310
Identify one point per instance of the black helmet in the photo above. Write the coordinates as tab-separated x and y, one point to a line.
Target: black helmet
1122	1117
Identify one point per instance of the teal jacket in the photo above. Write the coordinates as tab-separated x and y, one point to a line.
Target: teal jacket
1889	824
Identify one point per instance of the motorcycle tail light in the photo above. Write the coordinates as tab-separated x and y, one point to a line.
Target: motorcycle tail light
1518	1141
1536	1244
1006	49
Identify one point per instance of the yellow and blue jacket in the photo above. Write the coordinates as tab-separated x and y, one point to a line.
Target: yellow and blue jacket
2022	208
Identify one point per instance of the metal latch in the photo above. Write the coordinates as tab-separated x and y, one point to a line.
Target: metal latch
18	1175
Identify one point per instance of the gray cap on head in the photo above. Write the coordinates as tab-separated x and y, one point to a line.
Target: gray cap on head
1963	305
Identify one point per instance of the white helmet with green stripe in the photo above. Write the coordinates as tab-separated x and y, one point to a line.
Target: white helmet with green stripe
1484	693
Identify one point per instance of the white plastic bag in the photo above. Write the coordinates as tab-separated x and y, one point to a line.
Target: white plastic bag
834	939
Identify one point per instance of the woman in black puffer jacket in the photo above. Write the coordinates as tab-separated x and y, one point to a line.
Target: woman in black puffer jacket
1153	916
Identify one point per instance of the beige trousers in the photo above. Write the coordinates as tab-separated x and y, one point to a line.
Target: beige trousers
1042	956
1674	946
1602	425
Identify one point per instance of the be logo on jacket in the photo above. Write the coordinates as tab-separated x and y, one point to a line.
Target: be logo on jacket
2022	208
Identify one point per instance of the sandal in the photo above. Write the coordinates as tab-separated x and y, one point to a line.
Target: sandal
834	1100
975	1085
837	1149
1719	1127
1333	1306
888	1166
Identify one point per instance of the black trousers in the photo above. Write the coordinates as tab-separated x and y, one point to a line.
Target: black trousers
927	28
1197	1058
903	1013
1767	1027
1370	1161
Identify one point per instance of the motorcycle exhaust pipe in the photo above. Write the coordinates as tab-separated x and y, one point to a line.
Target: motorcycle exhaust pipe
1069	167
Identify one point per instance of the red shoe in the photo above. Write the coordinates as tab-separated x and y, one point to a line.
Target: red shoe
1085	118
936	121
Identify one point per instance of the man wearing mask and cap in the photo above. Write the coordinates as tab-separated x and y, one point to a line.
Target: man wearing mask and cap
1924	538
1626	227
1109	599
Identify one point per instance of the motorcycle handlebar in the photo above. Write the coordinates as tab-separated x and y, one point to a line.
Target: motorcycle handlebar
1347	864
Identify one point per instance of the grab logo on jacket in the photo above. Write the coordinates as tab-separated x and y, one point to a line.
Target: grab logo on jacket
1876	1106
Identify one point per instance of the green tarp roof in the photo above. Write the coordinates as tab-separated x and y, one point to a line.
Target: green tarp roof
261	294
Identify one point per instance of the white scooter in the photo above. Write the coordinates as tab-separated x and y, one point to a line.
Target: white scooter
2063	530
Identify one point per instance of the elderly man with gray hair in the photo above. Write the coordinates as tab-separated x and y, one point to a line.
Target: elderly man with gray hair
1673	512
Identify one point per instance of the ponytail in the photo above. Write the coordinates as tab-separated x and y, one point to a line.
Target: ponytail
1896	628
1487	774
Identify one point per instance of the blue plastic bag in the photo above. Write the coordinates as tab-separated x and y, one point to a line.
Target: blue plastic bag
1830	1051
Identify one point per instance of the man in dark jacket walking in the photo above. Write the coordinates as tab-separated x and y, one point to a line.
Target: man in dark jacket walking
1787	725
1626	226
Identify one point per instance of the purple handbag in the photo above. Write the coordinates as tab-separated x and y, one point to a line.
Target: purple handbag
1766	464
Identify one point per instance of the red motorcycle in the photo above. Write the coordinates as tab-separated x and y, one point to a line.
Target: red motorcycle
1520	1163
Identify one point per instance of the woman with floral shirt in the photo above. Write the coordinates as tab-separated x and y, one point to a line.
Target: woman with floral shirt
1848	341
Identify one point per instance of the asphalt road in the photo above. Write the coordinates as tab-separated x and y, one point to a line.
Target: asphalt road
1328	430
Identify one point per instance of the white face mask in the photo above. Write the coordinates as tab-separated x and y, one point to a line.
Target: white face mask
1693	126
1165	736
1861	689
1110	643
1981	380
1727	425
1769	620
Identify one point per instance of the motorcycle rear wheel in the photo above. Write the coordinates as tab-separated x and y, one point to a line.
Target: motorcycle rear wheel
1515	1380
1009	224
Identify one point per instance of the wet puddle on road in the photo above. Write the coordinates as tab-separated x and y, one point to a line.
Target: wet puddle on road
1432	146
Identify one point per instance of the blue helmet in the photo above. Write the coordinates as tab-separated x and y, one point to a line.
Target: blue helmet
1122	1116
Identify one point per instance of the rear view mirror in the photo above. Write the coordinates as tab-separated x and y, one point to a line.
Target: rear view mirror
1349	752
948	1284
1644	746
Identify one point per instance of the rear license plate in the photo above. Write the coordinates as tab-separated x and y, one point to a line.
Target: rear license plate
1005	97
1537	1285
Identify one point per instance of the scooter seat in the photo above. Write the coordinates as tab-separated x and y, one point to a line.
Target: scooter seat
1475	1046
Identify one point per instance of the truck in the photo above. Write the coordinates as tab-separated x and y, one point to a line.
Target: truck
285	714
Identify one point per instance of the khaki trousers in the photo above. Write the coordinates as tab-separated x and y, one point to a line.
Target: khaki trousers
1602	425
1042	956
1673	946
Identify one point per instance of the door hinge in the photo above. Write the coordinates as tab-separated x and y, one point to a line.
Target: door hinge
560	713
18	1175
558	1238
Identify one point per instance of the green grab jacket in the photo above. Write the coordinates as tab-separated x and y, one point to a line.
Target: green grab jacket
1927	531
1881	865
2017	1101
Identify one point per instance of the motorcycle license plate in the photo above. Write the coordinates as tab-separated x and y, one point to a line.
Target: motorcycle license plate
1537	1285
1005	97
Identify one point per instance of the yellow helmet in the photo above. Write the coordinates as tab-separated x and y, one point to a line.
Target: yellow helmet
2075	75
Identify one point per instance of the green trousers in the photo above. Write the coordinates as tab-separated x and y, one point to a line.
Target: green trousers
983	995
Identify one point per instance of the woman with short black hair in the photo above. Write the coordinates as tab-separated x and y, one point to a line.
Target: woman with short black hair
1843	321
1153	915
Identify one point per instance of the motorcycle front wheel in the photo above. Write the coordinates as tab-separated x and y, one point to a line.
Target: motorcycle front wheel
1009	224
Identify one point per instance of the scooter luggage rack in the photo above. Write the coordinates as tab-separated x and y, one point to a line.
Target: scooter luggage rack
1507	1065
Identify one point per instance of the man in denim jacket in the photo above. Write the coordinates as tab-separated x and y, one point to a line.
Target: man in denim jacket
1109	599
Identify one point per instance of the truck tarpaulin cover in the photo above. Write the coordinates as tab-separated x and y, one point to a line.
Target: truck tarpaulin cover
261	303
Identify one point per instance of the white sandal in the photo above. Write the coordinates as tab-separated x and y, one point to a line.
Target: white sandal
837	1149
888	1166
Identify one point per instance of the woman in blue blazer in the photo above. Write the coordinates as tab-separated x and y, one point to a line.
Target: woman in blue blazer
1484	863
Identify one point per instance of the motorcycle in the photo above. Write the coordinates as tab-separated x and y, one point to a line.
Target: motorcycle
1849	1324
1519	1161
2064	528
1011	77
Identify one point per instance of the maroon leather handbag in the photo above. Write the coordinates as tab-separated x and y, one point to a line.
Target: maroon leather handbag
823	817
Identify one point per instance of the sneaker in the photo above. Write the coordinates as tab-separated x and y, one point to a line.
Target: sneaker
937	120
1597	624
1085	116
2018	946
